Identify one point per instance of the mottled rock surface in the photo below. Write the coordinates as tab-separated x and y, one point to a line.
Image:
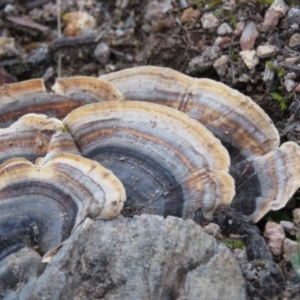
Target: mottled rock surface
146	257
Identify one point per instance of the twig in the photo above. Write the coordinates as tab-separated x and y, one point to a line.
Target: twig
58	10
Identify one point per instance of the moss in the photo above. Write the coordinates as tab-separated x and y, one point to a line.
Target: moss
282	100
235	244
64	129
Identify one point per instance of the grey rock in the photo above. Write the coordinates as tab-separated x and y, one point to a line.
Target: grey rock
146	257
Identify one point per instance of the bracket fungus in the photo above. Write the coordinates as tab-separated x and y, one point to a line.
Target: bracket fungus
169	163
28	137
18	99
41	204
242	126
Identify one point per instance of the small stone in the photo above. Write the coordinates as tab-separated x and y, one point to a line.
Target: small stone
244	78
221	41
250	59
9	9
297	89
289	227
224	29
102	53
204	61
210	21
214	230
293	16
221	65
189	15
76	22
289	85
289	249
275	236
266	51
240	26
249	36
290	75
7	47
274	13
296	216
294	40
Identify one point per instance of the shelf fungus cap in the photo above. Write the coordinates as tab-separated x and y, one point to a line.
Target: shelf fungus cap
169	163
273	178
41	205
28	137
232	117
18	99
82	87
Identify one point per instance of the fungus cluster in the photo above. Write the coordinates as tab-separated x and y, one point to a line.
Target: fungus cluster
173	144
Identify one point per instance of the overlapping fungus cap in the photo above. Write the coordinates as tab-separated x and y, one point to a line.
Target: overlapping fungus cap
234	118
265	176
277	175
30	96
41	204
169	163
28	137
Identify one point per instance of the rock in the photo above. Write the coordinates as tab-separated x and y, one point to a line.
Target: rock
297	88
224	29
244	78
289	249
274	13
41	55
294	40
293	16
210	21
289	84
296	216
275	236
189	15
264	278
146	257
205	61
289	227
249	36
214	230
240	26
6	77
155	10
266	51
7	47
76	22
221	41
221	65
250	59
102	53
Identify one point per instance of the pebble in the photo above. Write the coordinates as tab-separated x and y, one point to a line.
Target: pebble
266	51
294	40
274	13
296	216
221	41
240	26
78	21
249	36
189	15
102	53
289	227
224	29
289	249
210	21
293	16
7	47
213	229
250	59
297	88
244	78
275	236
221	65
289	85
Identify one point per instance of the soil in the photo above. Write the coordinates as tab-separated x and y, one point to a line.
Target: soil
128	33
